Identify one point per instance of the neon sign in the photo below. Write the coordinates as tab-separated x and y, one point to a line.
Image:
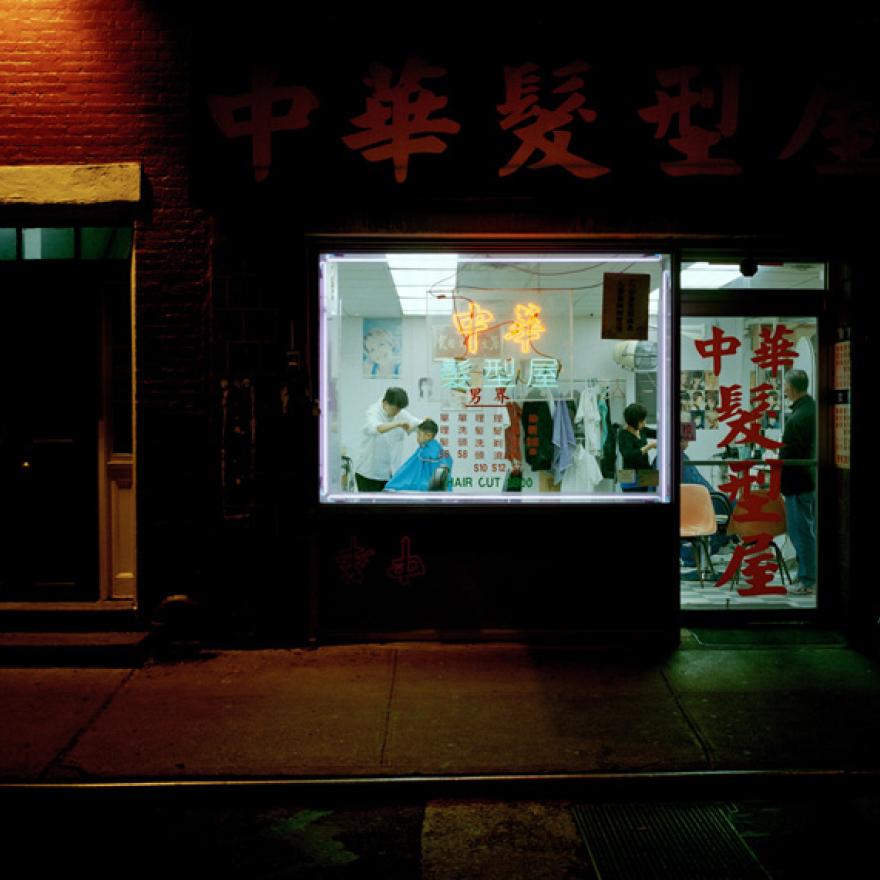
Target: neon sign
471	323
527	327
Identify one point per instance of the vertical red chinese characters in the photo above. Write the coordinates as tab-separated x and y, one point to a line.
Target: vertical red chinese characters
754	487
399	120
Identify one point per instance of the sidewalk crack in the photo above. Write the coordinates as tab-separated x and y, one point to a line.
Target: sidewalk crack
708	754
391	689
60	762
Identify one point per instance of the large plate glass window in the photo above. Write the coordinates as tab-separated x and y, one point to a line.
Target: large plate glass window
495	378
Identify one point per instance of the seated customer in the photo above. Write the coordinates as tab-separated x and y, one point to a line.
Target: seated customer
415	473
691	474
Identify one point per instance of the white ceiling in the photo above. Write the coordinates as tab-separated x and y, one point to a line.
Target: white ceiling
367	288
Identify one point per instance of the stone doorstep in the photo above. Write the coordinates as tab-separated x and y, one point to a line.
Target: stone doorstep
111	649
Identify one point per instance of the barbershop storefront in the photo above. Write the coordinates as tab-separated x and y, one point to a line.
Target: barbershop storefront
467	328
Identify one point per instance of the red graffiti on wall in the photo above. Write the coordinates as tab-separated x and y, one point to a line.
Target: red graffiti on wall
398	121
541	129
408	565
352	562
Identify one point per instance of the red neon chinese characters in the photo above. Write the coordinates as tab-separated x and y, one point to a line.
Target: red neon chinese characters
471	324
475	397
693	141
398	121
543	134
776	349
717	347
408	565
261	101
850	132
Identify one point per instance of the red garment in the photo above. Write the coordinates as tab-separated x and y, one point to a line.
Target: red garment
513	435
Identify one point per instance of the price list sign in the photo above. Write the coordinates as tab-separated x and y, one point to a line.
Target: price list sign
474	437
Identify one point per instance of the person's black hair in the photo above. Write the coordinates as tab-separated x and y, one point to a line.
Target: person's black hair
634	414
798	380
397	397
429	426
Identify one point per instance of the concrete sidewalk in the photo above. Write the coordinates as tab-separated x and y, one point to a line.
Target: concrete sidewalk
439	709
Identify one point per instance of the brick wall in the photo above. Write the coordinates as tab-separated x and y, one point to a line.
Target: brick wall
91	81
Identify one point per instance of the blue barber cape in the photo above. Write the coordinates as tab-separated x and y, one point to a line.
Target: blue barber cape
416	472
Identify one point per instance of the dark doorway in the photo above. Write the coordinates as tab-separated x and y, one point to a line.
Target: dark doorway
50	396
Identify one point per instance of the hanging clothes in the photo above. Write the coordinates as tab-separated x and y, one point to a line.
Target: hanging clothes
564	443
584	475
513	450
538	423
590	420
604	419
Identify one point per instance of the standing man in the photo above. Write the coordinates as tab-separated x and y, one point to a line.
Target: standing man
798	486
381	439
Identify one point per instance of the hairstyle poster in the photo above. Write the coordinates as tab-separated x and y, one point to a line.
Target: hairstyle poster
382	347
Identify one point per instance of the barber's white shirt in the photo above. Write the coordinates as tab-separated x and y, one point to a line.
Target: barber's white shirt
379	453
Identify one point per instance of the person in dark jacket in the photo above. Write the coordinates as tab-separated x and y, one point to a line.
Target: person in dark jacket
635	441
798	486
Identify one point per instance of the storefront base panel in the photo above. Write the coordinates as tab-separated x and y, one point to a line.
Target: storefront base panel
474	572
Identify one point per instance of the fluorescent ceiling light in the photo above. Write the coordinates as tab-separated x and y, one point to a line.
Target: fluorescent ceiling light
594	259
424	282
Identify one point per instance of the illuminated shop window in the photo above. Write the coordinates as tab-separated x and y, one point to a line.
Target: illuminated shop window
747	397
519	368
48	243
8	244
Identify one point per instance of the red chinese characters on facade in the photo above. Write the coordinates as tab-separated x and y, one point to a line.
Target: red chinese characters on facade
776	349
745	425
754	555
541	129
694	141
398	121
717	347
260	104
848	127
756	493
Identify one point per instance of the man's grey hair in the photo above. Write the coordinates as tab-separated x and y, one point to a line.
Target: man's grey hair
798	380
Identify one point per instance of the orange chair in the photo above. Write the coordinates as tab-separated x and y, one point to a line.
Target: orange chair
741	528
697	523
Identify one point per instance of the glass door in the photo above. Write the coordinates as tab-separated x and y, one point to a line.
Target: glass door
750	377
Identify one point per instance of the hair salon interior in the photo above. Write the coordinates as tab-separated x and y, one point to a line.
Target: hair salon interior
343	330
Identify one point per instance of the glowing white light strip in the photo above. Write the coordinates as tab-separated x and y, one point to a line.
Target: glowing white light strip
324	385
